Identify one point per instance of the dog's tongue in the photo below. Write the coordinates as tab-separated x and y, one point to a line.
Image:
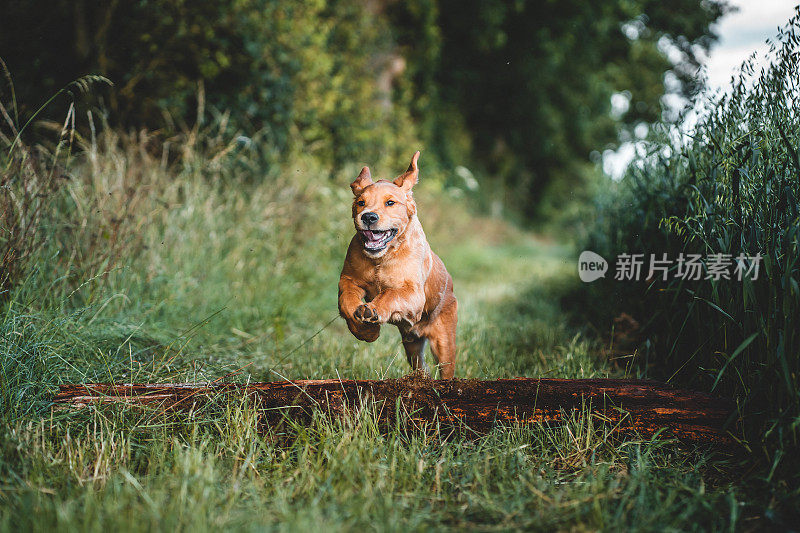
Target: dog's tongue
372	236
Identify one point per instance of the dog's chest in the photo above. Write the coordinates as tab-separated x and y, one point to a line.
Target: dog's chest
379	281
384	277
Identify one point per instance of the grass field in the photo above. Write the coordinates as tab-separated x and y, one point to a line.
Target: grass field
213	279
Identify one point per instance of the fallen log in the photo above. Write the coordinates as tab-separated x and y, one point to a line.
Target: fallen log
473	405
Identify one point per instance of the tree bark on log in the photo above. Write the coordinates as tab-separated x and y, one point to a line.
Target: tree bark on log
644	407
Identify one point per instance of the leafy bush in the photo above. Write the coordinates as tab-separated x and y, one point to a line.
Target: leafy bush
732	188
302	72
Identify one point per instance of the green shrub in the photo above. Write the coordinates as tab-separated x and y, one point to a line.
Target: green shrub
301	72
731	187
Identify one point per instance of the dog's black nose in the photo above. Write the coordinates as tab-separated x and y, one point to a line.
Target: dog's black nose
369	217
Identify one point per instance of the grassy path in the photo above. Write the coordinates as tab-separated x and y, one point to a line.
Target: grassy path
511	318
510	322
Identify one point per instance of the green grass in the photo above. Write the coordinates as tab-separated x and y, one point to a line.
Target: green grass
119	469
210	277
731	187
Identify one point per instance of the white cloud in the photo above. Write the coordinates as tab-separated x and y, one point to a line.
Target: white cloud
741	33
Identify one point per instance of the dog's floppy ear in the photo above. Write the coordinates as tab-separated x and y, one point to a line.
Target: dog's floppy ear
409	178
363	181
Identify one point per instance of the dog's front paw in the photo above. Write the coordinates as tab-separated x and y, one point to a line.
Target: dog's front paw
367	314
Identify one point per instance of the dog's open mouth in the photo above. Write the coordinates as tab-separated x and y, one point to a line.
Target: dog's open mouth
375	240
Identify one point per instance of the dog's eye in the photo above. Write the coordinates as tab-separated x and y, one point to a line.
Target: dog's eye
360	203
389	202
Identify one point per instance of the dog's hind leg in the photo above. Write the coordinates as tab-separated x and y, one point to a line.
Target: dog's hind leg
415	351
443	339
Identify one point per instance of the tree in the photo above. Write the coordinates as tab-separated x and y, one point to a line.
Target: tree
519	88
532	80
302	73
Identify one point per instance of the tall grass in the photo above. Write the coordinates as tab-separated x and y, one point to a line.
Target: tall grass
31	180
117	470
731	188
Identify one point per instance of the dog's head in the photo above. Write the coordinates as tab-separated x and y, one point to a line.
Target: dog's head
382	209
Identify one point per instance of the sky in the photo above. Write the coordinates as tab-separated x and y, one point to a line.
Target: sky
740	34
743	32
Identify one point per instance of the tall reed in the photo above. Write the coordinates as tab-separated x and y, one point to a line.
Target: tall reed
731	187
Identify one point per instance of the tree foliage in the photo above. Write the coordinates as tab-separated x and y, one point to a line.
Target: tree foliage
301	72
533	80
519	89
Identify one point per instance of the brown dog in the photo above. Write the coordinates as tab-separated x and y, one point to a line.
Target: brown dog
390	274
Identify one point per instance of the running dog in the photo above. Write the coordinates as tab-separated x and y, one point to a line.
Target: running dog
391	275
